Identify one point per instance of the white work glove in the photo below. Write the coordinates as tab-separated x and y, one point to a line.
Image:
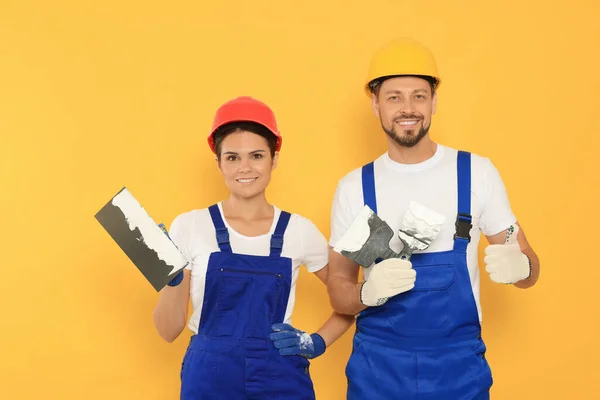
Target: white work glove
506	263
388	278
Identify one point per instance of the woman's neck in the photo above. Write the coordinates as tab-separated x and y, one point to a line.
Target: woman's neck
247	209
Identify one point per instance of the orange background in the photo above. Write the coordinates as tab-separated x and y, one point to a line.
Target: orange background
96	97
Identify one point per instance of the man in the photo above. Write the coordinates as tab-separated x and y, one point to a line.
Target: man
418	330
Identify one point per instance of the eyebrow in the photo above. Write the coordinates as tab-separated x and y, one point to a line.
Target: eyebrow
395	91
252	152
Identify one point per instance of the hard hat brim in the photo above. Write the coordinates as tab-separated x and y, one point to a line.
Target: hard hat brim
369	87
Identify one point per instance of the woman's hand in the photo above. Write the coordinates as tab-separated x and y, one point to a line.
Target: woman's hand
291	341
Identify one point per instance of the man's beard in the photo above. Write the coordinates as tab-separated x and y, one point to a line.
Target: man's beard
408	139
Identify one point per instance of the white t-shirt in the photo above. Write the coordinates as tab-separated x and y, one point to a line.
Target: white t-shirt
432	183
194	233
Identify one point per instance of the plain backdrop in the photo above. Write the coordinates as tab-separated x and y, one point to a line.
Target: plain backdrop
95	96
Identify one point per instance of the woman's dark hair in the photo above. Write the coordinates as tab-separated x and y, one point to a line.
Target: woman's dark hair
226	130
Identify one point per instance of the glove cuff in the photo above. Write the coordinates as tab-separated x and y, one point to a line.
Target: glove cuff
361	294
177	280
529	261
318	343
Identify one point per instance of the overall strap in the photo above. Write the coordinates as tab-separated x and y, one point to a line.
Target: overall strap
368	186
463	224
277	237
220	228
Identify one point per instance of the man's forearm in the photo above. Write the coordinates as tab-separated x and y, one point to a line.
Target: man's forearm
344	295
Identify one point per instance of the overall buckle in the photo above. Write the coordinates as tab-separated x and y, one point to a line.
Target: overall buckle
222	236
463	226
277	242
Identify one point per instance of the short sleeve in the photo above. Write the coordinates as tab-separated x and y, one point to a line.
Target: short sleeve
496	213
341	216
315	253
179	233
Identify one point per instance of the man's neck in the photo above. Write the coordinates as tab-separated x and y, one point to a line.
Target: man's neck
420	152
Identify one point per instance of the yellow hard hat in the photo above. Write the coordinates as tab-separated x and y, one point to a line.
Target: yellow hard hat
401	56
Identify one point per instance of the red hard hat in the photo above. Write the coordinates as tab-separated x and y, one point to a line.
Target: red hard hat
244	109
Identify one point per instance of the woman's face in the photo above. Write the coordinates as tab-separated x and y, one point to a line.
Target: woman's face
246	164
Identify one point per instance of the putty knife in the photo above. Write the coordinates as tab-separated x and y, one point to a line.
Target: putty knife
141	239
420	227
368	237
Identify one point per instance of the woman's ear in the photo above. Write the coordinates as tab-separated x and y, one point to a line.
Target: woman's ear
218	164
275	160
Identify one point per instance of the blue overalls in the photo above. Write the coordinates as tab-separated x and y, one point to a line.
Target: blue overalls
424	344
232	357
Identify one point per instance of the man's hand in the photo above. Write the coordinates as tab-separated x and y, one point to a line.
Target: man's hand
506	263
387	279
291	341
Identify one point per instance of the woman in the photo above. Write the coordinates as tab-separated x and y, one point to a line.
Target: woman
244	256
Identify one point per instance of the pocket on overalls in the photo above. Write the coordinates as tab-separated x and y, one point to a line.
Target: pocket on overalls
355	364
185	362
483	376
198	375
427	306
246	304
299	363
298	376
234	305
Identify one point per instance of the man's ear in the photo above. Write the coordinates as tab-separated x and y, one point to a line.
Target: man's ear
375	104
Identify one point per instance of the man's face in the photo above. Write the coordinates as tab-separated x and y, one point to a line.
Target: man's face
405	106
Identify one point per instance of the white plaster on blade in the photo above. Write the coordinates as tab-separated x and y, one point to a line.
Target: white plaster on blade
151	234
425	214
357	234
420	225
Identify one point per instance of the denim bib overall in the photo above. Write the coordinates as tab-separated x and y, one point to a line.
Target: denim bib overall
232	357
424	344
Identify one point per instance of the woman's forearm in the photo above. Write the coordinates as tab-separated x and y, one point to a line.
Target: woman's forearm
170	314
335	327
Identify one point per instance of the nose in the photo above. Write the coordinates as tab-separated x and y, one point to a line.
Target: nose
407	106
245	165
